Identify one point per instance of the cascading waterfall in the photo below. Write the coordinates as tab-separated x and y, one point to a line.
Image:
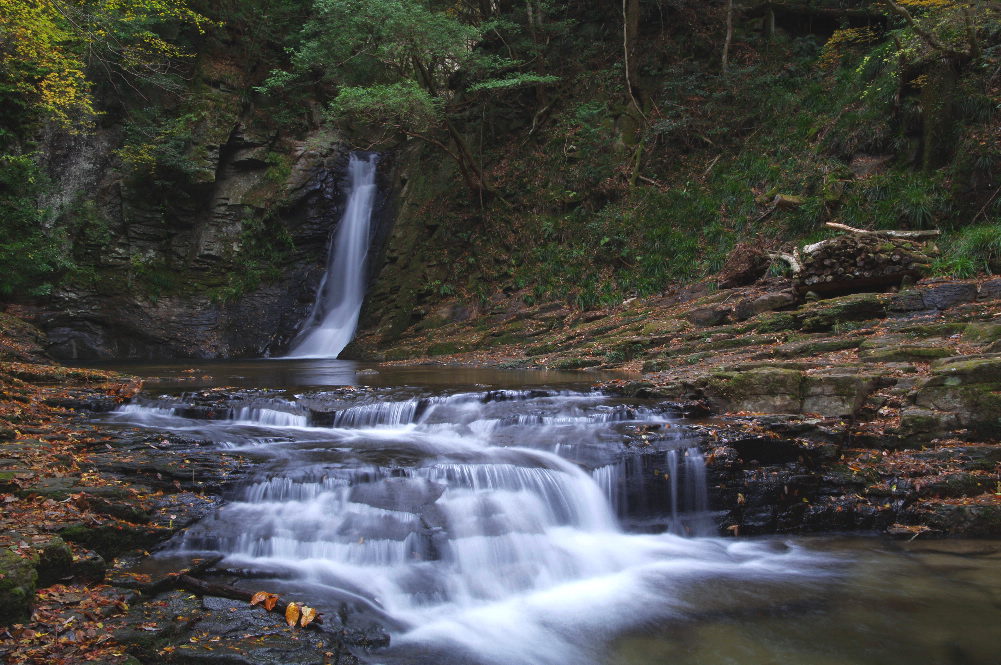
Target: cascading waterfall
332	321
481	528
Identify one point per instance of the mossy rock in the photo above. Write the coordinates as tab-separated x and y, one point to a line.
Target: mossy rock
768	390
934	330
906	353
55	562
966	370
970	389
18	578
824	315
839	394
816	347
772	323
983	333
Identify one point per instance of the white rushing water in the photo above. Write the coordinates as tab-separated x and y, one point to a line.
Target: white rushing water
332	321
504	527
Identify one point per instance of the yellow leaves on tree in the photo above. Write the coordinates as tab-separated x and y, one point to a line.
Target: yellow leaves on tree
50	48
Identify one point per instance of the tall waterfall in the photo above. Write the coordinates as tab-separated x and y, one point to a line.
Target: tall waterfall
334	317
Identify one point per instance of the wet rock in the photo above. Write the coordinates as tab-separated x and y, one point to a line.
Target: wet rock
180	629
404	494
113	538
956	520
17	587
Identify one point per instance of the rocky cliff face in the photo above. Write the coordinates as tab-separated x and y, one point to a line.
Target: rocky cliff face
164	270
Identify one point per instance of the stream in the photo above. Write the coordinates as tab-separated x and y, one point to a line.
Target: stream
517	518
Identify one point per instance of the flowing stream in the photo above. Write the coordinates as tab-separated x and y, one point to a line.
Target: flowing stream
332	321
537	526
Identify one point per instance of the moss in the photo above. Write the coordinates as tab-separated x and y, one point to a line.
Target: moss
777	322
17	587
445	349
55	562
904	353
812	348
574	363
983	333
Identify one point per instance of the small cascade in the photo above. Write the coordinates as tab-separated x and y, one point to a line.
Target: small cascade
332	321
686	477
476	523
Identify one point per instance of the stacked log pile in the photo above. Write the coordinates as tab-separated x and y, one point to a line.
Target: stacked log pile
861	260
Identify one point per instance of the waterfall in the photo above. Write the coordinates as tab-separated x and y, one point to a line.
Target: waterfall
484	528
332	321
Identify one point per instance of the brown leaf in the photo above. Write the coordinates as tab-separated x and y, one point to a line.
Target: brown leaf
308	614
269	603
291	614
259	597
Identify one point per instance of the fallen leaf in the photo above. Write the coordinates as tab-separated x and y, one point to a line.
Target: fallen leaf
291	614
307	616
269	604
259	597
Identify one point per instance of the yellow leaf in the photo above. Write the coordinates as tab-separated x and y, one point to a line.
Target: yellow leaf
308	614
259	597
291	614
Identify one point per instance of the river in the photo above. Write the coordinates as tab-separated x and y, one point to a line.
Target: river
517	518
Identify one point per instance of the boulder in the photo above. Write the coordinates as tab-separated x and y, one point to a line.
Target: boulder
837	393
943	296
970	388
766	303
767	390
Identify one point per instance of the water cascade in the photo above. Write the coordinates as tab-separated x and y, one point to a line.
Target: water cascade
500	527
334	317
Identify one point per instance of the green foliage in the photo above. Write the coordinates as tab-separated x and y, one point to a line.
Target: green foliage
31	255
972	250
405	103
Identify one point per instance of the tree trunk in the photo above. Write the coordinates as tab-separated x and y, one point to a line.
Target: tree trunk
729	39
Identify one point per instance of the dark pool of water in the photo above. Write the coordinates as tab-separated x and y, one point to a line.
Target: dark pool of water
318	374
